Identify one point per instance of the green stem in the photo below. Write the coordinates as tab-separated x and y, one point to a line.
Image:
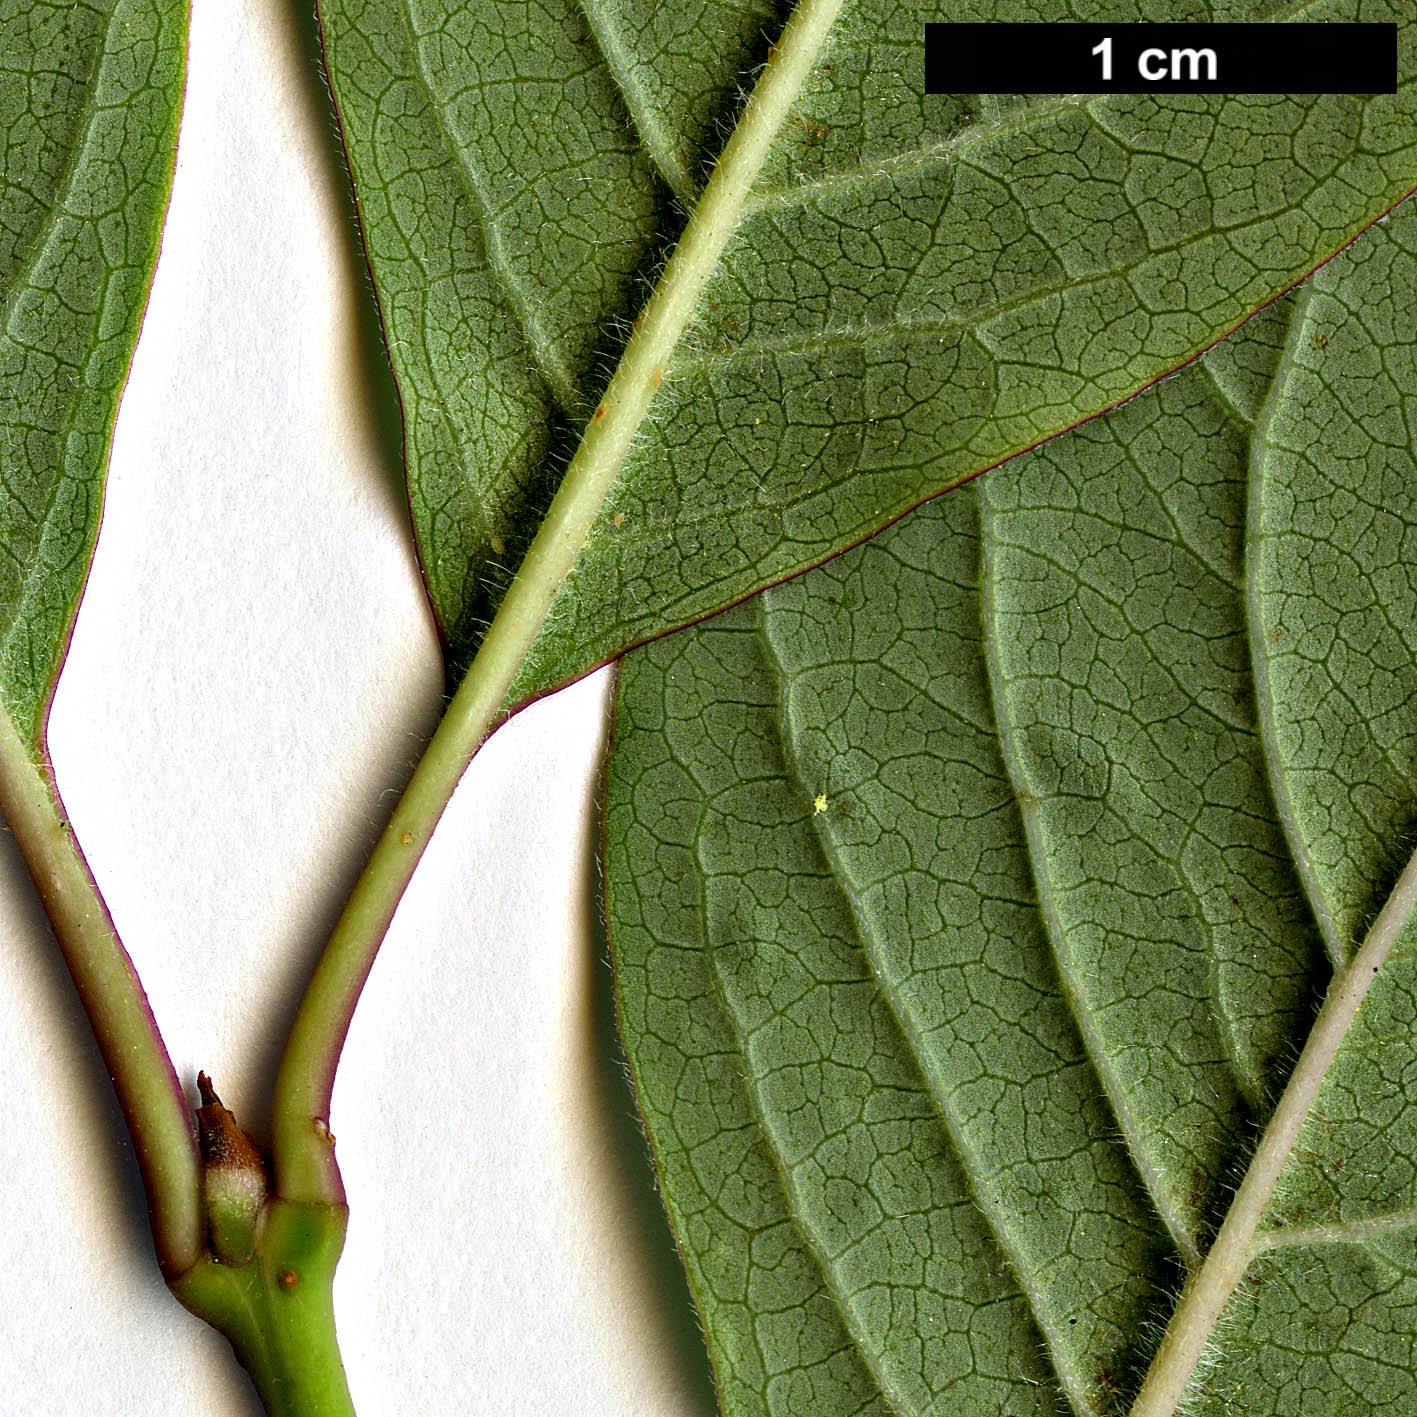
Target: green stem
277	1310
158	1118
1198	1311
304	1151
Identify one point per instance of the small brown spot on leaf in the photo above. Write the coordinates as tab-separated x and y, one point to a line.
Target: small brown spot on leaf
814	131
289	1279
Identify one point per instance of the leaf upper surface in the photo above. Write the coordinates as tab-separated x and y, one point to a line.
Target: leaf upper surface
921	285
960	915
89	101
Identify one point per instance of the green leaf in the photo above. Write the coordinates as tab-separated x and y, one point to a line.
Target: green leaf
972	895
920	286
89	100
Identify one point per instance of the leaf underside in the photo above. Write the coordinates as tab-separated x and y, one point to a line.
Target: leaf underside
89	100
971	895
921	286
956	972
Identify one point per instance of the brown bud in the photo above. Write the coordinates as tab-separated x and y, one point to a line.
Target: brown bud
234	1177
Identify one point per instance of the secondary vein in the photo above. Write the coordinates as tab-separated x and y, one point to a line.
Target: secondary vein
548	359
1259	644
1129	1123
654	132
59	207
1343	1232
1050	1325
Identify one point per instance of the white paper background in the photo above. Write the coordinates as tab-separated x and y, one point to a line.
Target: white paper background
253	672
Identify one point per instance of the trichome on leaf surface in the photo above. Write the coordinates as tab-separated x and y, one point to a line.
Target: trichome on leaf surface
1007	914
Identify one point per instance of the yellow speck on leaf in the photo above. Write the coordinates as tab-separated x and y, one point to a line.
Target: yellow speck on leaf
819	804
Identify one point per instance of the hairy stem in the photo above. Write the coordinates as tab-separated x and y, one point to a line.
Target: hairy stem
304	1152
1205	1296
158	1118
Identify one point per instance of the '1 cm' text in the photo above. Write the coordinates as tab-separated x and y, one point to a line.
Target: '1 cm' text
1158	65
